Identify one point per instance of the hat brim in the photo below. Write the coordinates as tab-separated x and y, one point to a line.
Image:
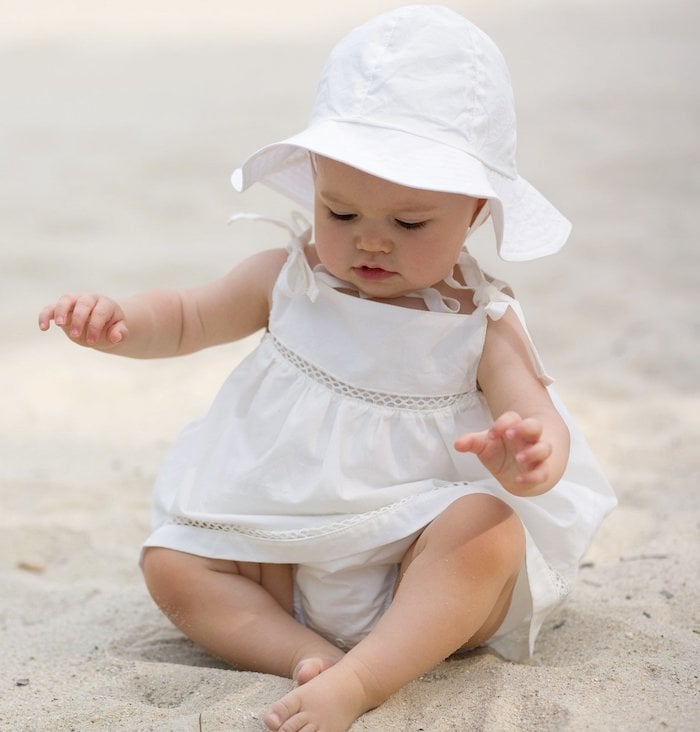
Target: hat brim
532	226
416	162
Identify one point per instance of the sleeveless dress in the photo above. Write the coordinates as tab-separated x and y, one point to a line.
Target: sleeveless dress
330	448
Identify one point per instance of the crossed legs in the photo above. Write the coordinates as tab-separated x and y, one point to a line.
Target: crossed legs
453	591
241	612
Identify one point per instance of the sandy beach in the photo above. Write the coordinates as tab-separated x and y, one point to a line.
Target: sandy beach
120	125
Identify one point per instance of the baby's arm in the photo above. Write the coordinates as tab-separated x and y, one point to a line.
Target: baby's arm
527	447
169	323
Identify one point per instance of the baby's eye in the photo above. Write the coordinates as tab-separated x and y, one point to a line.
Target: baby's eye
340	216
411	224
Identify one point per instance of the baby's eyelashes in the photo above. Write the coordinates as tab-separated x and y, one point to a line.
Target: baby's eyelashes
411	224
340	216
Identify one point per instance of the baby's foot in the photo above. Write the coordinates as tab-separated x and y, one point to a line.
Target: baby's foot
309	668
328	702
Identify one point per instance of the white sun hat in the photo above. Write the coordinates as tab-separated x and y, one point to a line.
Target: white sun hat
421	97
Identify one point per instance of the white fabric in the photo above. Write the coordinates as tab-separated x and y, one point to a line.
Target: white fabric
330	447
421	97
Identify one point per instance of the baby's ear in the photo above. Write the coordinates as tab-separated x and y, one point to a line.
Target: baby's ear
481	213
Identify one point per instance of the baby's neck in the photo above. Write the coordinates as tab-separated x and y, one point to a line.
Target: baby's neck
413	301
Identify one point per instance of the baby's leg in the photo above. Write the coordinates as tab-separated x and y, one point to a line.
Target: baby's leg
241	612
454	590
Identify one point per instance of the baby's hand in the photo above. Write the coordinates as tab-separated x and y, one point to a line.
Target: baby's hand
89	320
513	451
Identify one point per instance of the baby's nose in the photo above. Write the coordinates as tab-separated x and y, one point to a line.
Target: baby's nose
371	239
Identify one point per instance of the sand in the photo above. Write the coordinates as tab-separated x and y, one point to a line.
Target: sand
120	124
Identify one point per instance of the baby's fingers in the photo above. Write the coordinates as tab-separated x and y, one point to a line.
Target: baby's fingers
472	442
533	465
527	430
531	457
103	319
507	422
46	315
92	320
117	333
82	316
533	478
60	313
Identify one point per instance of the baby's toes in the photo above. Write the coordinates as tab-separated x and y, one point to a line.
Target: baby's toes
286	715
310	668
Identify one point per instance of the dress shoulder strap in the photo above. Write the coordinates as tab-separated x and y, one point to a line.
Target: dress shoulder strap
490	295
296	276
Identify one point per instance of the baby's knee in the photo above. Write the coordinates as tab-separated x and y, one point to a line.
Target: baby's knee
492	530
508	539
166	573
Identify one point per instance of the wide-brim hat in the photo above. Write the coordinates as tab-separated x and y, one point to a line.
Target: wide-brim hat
421	97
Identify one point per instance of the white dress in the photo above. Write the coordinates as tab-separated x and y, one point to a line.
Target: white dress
330	447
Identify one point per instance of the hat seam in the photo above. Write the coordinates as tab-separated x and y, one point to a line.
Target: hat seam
388	36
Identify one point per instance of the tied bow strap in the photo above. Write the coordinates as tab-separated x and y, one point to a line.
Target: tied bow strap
489	295
296	277
436	301
494	301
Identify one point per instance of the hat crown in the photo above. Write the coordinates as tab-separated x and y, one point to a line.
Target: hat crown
421	97
426	70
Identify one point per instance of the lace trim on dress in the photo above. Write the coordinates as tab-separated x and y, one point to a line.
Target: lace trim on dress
306	532
293	534
409	402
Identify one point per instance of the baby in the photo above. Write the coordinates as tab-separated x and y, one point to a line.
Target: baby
388	477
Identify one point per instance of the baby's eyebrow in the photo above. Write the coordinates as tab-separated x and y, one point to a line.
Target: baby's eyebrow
332	198
410	207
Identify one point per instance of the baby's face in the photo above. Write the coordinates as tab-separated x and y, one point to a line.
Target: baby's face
386	239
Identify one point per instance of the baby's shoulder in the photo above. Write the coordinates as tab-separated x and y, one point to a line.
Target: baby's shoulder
259	271
267	263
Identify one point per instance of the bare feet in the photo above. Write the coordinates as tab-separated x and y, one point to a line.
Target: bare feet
330	701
